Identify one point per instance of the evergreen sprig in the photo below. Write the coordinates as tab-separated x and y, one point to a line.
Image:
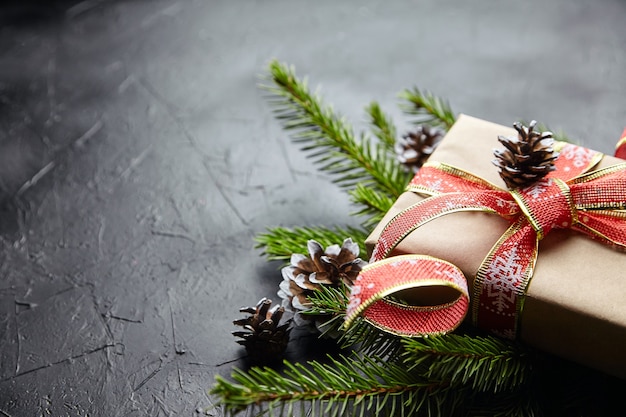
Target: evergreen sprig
330	302
353	385
333	302
370	340
328	138
373	204
487	364
382	125
360	385
425	107
279	243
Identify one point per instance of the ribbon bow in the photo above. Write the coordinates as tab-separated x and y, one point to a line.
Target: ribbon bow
568	198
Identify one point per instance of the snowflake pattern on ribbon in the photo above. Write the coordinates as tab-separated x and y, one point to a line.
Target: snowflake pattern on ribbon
502	280
536	190
578	156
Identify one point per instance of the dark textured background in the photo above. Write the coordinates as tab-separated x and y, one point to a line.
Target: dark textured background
138	159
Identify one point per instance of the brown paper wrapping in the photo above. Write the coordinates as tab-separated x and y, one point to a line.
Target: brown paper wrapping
575	305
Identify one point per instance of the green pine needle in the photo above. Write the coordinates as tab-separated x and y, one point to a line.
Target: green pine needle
374	204
370	340
330	302
279	243
427	108
328	139
487	364
344	386
333	302
382	125
362	385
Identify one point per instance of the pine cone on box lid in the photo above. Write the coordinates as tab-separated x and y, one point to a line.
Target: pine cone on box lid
526	158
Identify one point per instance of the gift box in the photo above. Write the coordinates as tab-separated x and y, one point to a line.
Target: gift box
574	304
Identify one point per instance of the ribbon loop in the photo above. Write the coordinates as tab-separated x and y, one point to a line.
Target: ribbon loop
408	272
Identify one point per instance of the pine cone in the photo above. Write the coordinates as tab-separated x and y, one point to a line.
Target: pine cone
414	148
527	158
306	274
265	337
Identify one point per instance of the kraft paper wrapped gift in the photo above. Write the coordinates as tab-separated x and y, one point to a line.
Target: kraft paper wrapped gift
575	304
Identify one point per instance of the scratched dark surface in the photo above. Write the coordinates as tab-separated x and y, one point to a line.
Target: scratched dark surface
138	159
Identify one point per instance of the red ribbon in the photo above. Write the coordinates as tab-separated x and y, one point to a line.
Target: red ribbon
567	198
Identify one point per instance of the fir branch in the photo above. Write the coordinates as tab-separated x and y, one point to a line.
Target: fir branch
328	139
330	302
372	341
485	363
355	385
327	300
279	243
382	125
333	302
374	204
427	108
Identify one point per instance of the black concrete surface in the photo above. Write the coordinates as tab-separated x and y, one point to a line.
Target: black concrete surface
138	159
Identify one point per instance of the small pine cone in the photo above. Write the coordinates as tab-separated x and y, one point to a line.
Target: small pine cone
526	158
264	336
334	266
414	148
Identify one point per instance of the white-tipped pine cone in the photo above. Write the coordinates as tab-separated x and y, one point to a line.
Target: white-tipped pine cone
334	266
